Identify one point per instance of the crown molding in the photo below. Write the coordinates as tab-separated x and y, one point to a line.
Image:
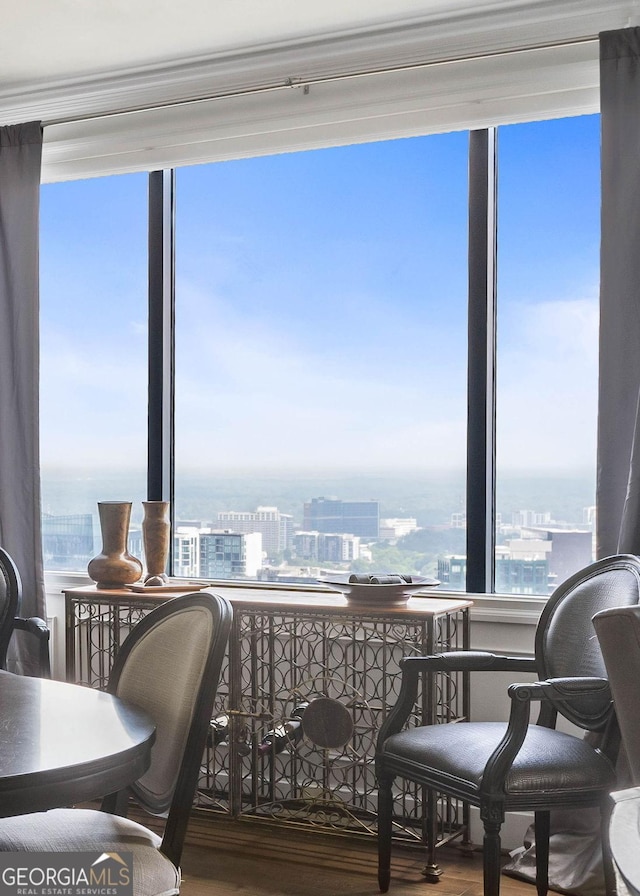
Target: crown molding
465	95
497	27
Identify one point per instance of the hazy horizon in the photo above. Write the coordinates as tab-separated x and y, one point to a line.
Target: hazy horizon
429	496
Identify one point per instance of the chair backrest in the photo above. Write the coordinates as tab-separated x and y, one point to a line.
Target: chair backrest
618	631
10	597
566	641
170	665
10	602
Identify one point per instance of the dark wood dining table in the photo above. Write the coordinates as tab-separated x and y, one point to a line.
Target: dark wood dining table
62	744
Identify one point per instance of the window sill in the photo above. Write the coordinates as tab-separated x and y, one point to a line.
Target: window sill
515	609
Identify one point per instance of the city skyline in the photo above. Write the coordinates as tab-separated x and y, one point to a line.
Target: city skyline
534	550
432	498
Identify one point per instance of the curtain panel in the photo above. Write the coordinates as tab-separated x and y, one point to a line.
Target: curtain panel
618	474
575	854
20	526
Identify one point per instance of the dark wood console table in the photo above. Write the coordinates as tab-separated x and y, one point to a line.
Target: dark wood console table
289	647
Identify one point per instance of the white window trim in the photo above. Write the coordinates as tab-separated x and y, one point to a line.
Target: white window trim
474	66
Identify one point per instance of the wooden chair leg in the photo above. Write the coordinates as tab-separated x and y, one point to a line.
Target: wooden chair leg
385	819
492	858
542	827
431	870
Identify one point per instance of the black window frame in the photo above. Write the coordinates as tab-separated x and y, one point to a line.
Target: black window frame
481	361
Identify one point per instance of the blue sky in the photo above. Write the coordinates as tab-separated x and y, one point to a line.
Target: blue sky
548	282
321	307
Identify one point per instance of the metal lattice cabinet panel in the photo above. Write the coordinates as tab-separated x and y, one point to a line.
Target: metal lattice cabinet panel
302	696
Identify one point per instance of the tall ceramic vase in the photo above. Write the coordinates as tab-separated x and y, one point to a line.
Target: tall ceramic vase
114	566
156	534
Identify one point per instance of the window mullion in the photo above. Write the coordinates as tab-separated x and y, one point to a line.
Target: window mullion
481	413
160	467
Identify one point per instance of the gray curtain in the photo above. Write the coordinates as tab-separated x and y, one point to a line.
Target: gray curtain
618	488
575	861
20	527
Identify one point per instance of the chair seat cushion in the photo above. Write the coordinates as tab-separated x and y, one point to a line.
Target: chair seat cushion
87	830
455	754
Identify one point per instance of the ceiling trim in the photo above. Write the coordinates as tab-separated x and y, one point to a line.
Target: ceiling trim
497	62
487	91
477	30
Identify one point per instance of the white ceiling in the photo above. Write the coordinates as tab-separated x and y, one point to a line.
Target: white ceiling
62	61
48	44
61	39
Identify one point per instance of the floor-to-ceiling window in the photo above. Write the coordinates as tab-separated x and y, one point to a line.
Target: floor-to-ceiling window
547	301
321	359
321	339
93	384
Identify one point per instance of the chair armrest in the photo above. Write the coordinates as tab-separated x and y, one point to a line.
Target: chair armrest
571	696
38	627
559	689
522	695
453	661
34	625
467	661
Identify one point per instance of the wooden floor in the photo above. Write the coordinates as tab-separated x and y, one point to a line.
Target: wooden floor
242	858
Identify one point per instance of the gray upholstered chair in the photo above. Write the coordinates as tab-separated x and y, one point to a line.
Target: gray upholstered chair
10	602
618	631
170	666
517	766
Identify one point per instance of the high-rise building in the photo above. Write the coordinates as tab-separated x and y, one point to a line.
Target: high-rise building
397	527
186	551
67	541
229	555
216	553
326	547
333	515
522	575
533	564
514	574
530	518
276	528
571	549
452	572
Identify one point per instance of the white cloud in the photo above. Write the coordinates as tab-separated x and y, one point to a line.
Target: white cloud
268	399
93	401
250	393
547	385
